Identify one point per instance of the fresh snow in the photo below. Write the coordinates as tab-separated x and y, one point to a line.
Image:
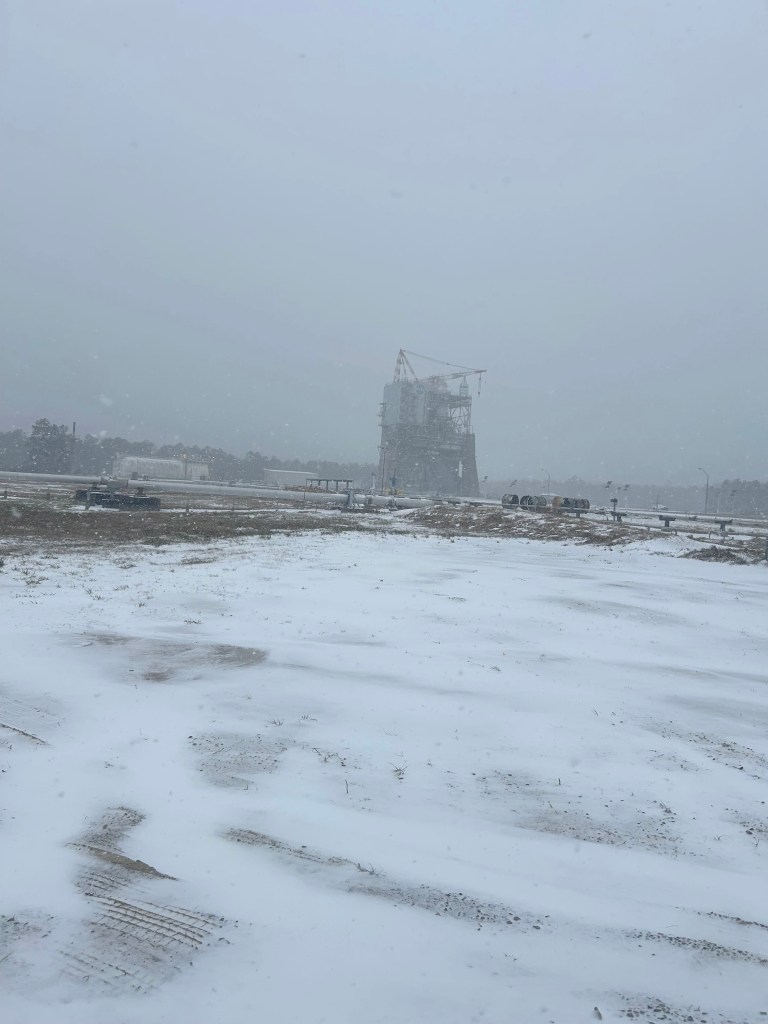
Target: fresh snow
382	778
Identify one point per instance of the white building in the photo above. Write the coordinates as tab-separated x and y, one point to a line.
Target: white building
140	467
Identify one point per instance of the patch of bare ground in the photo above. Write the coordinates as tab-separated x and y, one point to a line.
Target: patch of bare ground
108	830
16	930
647	1010
131	940
353	877
133	936
158	661
727	753
533	804
108	868
119	860
25	523
233	759
717	553
712	949
451	521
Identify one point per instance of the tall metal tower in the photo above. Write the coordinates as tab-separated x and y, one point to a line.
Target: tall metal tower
427	444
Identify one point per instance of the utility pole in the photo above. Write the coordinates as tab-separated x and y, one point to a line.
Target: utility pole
706	492
72	450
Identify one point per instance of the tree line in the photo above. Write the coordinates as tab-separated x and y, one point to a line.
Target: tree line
745	499
52	448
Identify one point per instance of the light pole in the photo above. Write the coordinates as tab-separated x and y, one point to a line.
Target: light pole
706	492
548	479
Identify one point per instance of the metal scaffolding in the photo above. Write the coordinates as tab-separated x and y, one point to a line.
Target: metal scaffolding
427	445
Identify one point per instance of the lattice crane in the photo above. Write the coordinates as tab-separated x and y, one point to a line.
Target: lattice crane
403	368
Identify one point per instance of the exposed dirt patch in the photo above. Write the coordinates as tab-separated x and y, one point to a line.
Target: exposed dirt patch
730	754
236	657
647	1010
754	828
233	759
112	869
713	949
135	944
132	938
536	805
449	520
251	838
105	639
120	861
457	905
716	553
354	877
27	520
130	941
16	930
159	660
108	830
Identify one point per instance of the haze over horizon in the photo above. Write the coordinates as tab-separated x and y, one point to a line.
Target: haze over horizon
222	221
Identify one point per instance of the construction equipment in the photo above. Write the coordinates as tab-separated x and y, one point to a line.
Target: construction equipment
109	495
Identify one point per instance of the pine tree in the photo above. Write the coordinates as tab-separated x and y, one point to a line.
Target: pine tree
49	448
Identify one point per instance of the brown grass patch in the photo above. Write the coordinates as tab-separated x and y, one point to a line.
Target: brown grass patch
22	522
545	525
717	554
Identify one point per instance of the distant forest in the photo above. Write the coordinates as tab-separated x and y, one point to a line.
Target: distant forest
742	498
51	448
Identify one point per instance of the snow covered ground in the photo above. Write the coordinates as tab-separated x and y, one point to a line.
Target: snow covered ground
382	778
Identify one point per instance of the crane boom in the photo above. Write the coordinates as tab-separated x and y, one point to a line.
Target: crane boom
403	367
441	362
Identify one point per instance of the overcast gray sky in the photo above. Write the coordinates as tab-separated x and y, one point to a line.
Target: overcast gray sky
221	219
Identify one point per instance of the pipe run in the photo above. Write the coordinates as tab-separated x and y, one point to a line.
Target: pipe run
346	498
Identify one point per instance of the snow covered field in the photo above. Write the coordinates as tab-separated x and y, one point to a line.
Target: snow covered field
381	778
